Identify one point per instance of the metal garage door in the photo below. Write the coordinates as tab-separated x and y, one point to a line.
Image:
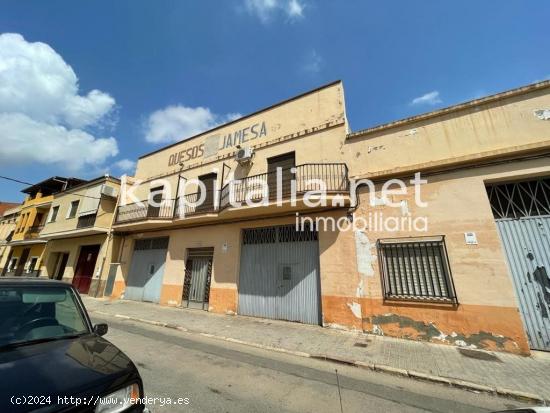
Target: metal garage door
279	274
522	212
144	281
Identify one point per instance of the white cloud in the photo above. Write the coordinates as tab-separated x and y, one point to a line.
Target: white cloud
175	123
266	10
42	115
125	165
295	9
312	62
431	98
25	140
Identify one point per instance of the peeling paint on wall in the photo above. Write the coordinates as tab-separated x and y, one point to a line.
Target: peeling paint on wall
355	309
426	331
365	258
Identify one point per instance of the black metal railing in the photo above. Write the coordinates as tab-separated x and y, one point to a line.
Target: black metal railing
142	210
33	231
329	177
86	221
188	204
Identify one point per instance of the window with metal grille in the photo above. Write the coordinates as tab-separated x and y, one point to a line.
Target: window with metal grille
416	269
520	199
283	233
151	244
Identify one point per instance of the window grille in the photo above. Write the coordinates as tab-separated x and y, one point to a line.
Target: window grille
520	199
151	244
283	233
416	269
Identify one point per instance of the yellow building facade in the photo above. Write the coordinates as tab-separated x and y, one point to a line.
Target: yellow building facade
8	219
26	245
80	241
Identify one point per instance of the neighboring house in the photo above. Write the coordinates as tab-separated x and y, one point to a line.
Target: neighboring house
26	245
475	275
8	216
80	242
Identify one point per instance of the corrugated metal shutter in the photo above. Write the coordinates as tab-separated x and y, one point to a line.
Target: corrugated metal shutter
279	274
527	245
144	281
522	213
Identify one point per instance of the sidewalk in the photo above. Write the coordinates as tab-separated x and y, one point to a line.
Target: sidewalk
506	374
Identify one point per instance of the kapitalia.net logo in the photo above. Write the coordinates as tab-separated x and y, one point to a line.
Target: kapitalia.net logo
383	206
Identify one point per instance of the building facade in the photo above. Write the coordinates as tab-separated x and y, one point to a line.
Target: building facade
26	245
9	212
79	238
285	214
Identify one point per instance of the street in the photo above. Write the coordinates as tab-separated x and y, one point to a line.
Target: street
219	376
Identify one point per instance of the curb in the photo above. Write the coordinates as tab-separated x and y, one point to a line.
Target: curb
461	384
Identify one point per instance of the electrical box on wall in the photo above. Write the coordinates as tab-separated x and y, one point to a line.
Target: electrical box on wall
470	238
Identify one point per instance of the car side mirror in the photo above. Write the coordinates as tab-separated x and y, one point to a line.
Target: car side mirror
101	329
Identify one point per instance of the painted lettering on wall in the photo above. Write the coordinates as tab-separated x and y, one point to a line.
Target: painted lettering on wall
244	135
186	155
238	137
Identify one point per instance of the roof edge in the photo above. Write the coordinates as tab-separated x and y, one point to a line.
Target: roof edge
88	183
223	125
454	108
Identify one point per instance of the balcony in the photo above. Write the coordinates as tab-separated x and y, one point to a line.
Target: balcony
33	232
142	211
86	221
331	178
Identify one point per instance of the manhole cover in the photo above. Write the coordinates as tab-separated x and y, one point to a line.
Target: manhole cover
478	355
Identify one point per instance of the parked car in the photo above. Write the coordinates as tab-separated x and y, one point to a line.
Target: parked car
52	358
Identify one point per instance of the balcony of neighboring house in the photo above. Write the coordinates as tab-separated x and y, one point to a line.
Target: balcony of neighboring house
33	232
86	221
266	194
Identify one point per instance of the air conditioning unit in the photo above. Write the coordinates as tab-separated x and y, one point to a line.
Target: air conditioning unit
244	155
109	191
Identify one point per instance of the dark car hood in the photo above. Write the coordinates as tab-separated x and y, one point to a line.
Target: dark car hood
83	365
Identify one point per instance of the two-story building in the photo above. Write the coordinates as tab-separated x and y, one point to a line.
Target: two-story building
9	212
78	234
26	245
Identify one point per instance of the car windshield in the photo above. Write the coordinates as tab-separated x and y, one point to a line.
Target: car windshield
30	314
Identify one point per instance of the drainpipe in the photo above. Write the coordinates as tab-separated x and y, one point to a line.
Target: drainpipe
109	238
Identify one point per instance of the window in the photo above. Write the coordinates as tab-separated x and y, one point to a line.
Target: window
32	264
73	209
416	269
53	216
12	265
56	307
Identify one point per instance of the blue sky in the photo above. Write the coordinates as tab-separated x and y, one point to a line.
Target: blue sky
165	69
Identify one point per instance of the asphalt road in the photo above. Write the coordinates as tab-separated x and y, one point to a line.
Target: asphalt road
219	376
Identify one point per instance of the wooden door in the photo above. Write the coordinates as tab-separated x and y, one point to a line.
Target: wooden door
85	268
155	198
286	162
208	204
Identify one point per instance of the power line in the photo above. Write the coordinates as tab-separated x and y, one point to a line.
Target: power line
45	186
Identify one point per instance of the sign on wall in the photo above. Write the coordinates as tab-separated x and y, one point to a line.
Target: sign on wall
216	143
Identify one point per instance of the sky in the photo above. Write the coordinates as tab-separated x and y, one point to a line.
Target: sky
87	87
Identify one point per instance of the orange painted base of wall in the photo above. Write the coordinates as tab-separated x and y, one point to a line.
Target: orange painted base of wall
337	312
118	289
171	294
485	327
223	300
